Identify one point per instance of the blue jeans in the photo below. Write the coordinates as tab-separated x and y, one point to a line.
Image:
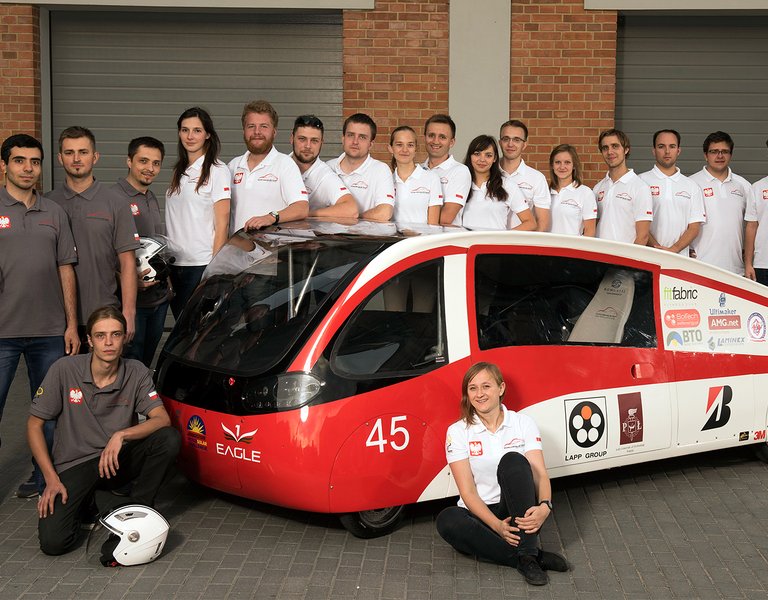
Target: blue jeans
184	281
150	322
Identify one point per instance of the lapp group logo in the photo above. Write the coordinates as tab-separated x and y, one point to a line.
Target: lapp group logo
586	429
682	318
196	433
756	327
75	396
718	410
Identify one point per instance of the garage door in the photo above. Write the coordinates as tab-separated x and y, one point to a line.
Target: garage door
126	74
696	75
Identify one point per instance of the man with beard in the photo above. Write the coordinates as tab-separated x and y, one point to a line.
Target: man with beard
678	208
266	185
328	196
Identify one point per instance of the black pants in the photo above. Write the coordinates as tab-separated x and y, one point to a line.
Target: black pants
469	535
145	461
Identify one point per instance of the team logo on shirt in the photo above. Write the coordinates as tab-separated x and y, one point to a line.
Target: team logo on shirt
360	185
655	191
420	190
708	192
600	195
75	396
475	448
515	443
5	222
443	180
39	392
268	177
738	193
624	196
135	209
683	194
238	178
765	194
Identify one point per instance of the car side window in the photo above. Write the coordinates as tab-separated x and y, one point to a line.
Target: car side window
398	330
553	300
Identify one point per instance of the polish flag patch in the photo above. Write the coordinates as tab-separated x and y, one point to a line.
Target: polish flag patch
136	236
655	190
708	193
475	448
238	178
75	396
5	222
135	209
153	395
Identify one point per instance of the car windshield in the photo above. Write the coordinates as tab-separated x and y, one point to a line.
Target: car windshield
261	291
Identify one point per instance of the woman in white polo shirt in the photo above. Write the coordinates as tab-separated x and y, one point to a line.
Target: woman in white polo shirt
496	459
574	209
196	204
418	192
494	202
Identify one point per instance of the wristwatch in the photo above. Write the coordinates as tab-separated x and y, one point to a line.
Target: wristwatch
276	216
548	503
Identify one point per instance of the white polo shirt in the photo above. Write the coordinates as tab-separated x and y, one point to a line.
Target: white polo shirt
456	181
189	215
323	186
571	206
485	212
533	184
370	184
727	205
415	195
760	201
620	205
517	433
274	184
677	203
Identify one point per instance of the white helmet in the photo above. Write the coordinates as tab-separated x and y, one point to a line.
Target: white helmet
141	530
149	257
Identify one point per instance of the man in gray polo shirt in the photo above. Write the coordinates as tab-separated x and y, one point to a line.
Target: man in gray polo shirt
94	398
38	301
104	231
145	157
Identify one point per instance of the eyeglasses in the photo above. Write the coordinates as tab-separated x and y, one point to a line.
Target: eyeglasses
309	121
506	139
715	152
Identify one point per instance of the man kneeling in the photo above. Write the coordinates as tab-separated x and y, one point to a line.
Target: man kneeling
95	398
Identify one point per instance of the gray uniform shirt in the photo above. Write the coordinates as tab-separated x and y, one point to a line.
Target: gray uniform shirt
34	242
103	227
86	415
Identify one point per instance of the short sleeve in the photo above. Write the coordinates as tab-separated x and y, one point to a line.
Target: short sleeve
221	180
47	401
531	434
643	201
697	213
588	203
124	234
147	398
456	446
435	189
291	184
66	254
331	189
384	185
750	213
456	188
541	196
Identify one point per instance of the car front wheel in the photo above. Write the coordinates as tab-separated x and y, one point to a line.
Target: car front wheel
368	524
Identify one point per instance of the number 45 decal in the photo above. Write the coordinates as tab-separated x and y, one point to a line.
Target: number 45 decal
376	437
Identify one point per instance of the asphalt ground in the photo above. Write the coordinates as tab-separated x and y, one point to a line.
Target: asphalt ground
694	527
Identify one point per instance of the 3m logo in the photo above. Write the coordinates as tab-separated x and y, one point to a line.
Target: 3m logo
475	448
717	407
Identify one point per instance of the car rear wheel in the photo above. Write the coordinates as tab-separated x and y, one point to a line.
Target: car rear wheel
368	524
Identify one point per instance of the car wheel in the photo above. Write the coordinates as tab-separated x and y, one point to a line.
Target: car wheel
761	451
368	524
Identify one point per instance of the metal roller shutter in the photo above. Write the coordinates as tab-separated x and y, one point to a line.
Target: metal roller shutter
125	74
696	75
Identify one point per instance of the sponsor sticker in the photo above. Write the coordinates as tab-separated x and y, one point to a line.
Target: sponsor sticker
631	418
718	411
724	322
235	436
585	426
682	318
744	436
756	327
196	433
680	293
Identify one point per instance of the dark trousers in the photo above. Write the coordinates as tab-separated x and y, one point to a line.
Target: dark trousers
184	280
145	462
150	322
469	535
762	276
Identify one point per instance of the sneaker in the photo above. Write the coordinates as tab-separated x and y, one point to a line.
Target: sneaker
28	489
531	571
551	561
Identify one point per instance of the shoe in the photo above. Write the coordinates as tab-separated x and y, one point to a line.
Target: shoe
123	491
89	515
28	489
551	561
531	571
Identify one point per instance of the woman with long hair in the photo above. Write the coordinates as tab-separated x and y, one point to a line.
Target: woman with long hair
574	209
196	204
494	202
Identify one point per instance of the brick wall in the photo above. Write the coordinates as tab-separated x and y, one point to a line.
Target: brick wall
396	65
563	78
20	107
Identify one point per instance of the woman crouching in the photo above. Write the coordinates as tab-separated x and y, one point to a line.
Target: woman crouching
496	459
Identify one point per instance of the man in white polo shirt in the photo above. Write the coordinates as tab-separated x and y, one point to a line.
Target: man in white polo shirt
513	139
727	203
678	208
624	205
368	180
266	185
328	196
440	136
756	236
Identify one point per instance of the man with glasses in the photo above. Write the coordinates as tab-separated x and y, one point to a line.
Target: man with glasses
328	196
727	204
514	140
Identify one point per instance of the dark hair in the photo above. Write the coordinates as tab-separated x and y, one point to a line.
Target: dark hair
672	131
515	123
149	142
441	118
393	162
211	149
19	140
261	107
362	119
623	138
574	158
467	410
105	312
495	185
76	132
308	121
716	137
